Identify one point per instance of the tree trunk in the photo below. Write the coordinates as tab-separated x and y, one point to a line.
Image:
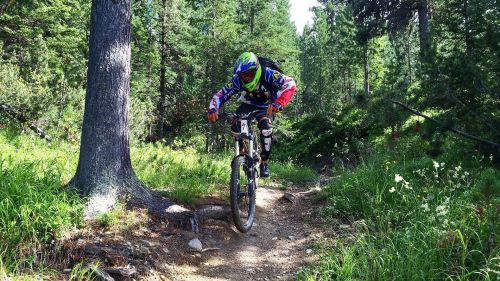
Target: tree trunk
104	172
469	42
366	68
423	26
163	69
104	165
349	90
408	55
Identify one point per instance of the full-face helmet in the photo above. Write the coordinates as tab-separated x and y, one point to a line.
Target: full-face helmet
247	67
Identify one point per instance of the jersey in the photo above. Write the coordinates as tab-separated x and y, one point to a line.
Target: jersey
273	86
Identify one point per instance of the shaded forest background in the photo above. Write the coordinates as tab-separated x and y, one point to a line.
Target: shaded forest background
441	56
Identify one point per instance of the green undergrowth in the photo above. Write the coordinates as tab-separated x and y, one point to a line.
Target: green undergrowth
426	219
188	174
36	206
316	138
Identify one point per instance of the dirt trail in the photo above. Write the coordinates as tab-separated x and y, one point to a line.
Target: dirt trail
274	249
279	243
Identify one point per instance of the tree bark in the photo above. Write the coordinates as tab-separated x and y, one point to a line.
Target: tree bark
366	69
104	163
423	26
104	173
408	55
163	69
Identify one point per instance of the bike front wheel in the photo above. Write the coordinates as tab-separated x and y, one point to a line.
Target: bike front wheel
242	193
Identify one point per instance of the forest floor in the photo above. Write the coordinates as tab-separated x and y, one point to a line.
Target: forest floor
280	243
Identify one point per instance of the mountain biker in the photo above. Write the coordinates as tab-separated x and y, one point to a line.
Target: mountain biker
261	86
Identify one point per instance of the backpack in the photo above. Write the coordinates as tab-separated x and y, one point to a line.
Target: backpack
268	63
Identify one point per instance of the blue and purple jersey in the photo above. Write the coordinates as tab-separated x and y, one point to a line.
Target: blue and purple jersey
276	87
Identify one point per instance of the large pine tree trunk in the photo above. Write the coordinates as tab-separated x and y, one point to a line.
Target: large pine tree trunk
104	170
104	163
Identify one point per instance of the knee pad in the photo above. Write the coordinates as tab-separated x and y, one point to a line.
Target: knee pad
265	126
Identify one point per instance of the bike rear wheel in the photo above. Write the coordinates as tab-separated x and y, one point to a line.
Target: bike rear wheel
242	193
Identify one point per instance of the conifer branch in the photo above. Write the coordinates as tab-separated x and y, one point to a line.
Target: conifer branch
458	132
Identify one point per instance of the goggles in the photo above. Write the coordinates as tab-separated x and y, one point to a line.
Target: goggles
248	75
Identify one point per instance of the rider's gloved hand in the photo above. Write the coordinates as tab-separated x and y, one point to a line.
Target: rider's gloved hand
274	108
212	115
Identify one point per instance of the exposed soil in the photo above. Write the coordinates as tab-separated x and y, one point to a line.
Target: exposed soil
279	244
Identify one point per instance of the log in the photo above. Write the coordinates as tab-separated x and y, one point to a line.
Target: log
208	211
14	114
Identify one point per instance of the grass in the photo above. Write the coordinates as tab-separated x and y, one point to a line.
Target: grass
36	207
299	175
188	174
428	219
121	219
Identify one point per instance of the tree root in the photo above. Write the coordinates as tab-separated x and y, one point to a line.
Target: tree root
136	194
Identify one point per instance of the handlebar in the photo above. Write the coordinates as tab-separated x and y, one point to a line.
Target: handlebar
225	115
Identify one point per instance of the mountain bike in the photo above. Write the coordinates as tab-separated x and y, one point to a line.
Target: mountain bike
244	170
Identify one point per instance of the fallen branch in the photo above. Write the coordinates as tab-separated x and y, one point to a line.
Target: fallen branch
311	191
458	132
12	113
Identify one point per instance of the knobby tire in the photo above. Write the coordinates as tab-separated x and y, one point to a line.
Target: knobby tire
238	187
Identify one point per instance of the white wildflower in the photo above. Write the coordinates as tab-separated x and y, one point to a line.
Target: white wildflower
398	178
445	223
392	190
436	164
441	210
425	206
466	173
407	185
491	157
442	164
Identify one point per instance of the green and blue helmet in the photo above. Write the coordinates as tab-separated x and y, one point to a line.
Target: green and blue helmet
248	69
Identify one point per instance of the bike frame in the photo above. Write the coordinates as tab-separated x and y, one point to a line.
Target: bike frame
246	133
247	136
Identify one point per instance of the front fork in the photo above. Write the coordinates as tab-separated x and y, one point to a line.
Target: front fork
249	159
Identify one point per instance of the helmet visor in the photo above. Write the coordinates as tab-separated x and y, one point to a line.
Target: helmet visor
248	75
